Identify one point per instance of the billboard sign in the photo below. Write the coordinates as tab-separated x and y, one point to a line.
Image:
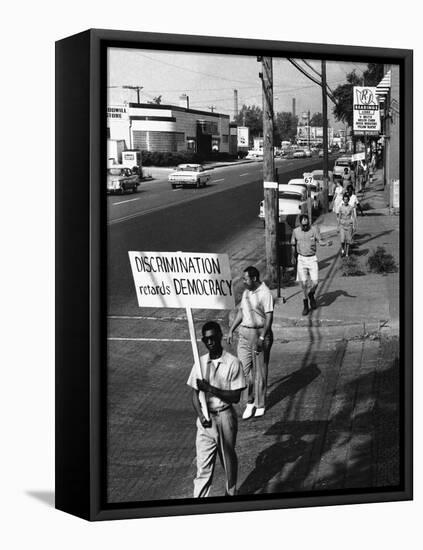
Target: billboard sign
366	113
243	136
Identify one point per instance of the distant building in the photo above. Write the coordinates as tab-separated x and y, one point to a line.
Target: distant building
170	128
316	135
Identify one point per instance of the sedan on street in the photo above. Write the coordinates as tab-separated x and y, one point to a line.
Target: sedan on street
121	179
189	175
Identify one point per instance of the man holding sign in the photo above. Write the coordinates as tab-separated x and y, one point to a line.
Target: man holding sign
222	383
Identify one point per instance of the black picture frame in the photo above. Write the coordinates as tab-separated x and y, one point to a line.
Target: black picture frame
81	274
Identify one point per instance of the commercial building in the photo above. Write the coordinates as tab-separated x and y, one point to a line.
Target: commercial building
312	135
170	128
388	93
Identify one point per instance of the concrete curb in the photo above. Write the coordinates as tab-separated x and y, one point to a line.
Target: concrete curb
330	332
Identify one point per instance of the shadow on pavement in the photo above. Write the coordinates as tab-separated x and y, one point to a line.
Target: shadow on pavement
290	385
356	447
327	299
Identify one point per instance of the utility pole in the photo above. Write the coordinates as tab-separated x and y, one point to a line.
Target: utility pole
235	104
308	128
325	138
271	201
136	88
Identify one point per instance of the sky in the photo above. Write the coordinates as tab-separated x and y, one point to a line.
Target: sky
210	79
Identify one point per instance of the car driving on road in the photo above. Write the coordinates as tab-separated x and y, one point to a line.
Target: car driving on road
189	175
121	179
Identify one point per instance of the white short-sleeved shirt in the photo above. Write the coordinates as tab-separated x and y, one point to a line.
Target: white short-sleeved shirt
254	306
226	375
353	201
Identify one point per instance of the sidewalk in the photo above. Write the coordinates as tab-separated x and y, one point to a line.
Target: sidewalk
348	306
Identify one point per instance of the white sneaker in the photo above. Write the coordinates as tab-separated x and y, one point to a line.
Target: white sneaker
249	411
259	412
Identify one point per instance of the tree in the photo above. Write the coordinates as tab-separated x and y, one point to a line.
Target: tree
285	127
156	100
316	120
343	110
373	75
251	117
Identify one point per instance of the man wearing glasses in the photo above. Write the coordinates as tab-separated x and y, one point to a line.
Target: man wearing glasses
222	383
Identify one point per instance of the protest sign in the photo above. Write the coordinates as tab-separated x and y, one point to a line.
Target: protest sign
182	279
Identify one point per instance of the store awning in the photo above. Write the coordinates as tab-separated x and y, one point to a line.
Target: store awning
384	86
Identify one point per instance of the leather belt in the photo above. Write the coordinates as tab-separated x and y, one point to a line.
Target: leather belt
307	255
245	326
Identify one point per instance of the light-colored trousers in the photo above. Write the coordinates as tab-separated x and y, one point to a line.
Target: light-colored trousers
254	365
219	439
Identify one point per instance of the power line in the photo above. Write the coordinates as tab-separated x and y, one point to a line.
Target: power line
191	70
312	68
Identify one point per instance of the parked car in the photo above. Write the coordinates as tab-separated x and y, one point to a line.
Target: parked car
189	175
318	178
121	179
299	154
292	201
308	153
340	164
313	190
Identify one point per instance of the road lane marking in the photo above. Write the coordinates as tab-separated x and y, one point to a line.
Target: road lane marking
115	339
213	181
122	202
246	174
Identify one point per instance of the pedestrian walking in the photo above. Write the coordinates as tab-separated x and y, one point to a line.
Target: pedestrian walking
352	175
360	177
338	194
355	203
346	177
365	174
345	224
254	318
304	240
223	383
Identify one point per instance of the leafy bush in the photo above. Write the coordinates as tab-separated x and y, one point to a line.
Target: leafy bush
351	267
164	158
382	262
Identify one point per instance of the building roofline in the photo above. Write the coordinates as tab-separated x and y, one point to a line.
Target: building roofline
175	108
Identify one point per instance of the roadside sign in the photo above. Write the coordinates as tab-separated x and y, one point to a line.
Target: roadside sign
182	279
395	194
308	178
358	156
366	114
270	184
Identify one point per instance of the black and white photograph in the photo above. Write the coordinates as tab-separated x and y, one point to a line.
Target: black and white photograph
253	276
165	157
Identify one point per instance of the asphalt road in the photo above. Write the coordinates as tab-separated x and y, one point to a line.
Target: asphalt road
209	219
